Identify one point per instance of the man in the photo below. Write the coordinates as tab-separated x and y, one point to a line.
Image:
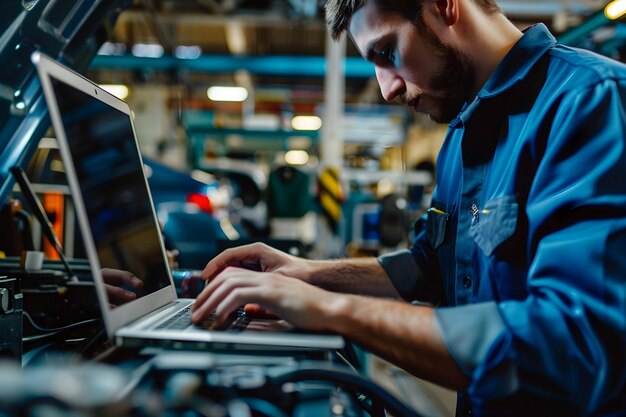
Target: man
524	248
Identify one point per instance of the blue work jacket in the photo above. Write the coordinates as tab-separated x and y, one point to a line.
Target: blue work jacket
523	250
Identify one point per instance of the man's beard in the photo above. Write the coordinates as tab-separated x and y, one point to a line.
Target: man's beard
453	83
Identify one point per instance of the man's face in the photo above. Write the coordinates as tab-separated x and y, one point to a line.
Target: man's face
412	64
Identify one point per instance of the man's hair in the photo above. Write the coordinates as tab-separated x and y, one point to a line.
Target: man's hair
339	12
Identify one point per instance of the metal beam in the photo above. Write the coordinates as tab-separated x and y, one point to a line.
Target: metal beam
251	20
292	66
578	34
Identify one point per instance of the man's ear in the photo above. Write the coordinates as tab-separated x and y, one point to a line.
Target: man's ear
448	11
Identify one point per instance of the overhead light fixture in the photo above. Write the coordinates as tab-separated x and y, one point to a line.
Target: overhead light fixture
306	123
187	52
147	50
615	9
118	90
296	157
218	93
111	48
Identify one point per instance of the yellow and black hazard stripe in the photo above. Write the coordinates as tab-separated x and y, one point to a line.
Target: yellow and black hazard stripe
331	195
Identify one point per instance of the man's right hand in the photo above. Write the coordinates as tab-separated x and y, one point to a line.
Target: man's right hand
259	257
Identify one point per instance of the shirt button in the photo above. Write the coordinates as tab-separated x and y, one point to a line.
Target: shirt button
467	282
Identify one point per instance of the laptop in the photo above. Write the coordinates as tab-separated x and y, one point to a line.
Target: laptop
121	233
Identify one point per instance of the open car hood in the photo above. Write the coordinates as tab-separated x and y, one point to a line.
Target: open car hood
71	31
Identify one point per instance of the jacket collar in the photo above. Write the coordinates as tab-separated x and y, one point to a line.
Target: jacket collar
515	66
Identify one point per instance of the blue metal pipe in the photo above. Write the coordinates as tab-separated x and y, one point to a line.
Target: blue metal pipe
292	66
578	34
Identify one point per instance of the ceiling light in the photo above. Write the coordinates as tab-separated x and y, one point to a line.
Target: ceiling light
187	52
110	48
297	157
118	90
147	50
615	9
217	93
306	123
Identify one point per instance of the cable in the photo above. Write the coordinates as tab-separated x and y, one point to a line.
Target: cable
90	342
355	381
351	356
362	399
35	205
57	329
52	334
39	337
136	377
346	361
75	341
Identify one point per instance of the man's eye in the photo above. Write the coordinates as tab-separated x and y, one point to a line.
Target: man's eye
388	55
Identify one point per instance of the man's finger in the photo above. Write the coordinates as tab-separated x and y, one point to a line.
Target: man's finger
256	311
119	277
247	256
218	295
119	295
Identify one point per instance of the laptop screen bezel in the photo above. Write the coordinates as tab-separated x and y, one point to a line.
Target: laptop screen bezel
114	318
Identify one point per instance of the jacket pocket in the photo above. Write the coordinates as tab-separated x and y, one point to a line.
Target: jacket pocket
495	224
436	227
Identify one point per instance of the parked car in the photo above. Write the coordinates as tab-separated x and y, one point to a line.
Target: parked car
247	182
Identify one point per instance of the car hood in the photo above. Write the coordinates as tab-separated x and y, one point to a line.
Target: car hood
71	32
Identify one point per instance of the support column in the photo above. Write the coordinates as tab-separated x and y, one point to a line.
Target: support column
331	241
331	146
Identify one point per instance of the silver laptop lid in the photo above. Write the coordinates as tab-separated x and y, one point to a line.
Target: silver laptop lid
110	191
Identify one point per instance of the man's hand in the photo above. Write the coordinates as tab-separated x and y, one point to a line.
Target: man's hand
293	300
402	333
258	257
116	283
253	257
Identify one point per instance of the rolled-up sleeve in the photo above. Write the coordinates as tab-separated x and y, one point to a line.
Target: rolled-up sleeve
414	272
403	272
458	324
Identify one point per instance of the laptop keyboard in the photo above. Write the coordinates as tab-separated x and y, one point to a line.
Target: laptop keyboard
181	320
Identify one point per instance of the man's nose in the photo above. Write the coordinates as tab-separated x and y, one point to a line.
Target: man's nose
391	85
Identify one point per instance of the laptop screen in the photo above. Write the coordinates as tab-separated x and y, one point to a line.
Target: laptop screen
114	190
